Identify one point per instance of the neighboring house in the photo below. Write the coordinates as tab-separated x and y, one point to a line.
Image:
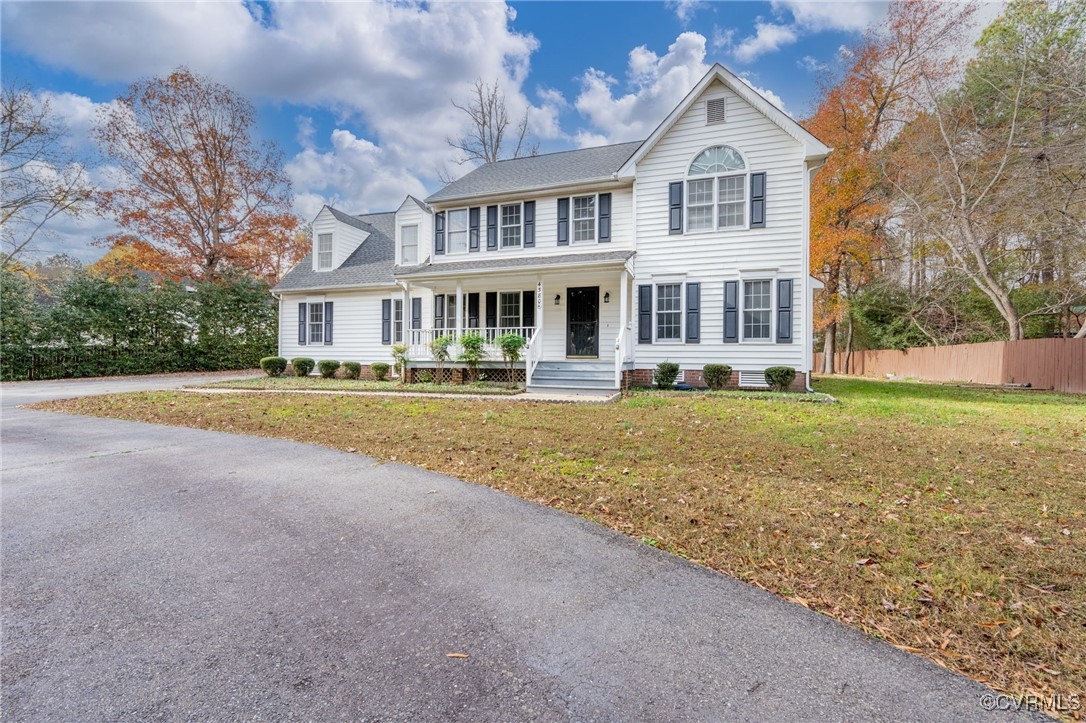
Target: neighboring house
691	247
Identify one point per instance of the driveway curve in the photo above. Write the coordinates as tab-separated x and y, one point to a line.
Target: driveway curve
153	572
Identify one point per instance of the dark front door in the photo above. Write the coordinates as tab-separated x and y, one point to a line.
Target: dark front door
583	321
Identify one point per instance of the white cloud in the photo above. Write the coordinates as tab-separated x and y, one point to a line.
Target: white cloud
306	131
766	93
811	64
723	37
817	15
686	9
657	84
768	37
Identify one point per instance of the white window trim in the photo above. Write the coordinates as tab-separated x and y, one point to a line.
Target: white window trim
681	283
448	231
398	301
418	243
595	219
744	279
310	324
498	315
503	226
745	226
331	251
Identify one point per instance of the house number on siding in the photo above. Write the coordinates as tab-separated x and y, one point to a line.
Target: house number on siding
539	297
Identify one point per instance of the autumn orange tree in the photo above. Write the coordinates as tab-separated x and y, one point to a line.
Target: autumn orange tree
199	197
880	91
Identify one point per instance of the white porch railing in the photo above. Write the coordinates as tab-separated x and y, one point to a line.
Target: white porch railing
532	356
418	340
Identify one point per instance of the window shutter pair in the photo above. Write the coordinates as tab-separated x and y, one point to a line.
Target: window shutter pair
473	229
529	224
386	321
491	228
439	233
605	218
303	323
563	222
644	314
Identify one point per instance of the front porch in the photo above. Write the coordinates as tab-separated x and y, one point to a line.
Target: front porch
575	323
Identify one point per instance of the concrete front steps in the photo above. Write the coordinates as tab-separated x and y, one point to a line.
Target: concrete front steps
587	377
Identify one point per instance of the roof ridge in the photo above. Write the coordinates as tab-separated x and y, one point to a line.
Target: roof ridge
568	150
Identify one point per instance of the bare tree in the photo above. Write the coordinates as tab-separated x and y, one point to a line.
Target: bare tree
488	136
39	180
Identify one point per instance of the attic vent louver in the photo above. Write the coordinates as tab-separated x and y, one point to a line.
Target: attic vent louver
715	111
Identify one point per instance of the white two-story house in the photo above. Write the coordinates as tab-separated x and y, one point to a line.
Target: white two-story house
690	246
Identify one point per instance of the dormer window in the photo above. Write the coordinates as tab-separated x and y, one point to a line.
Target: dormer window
324	251
409	245
718	198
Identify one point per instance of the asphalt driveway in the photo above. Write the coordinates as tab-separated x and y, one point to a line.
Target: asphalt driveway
159	573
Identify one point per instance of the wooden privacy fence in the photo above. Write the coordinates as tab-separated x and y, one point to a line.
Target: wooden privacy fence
1058	364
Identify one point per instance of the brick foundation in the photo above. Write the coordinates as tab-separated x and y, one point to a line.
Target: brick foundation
693	377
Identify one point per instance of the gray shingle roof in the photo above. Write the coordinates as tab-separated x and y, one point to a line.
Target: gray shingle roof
551	169
370	264
513	262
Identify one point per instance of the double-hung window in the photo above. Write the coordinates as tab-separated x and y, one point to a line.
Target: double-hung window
509	313
716	193
669	312
397	320
409	245
510	226
316	323
757	310
458	231
324	251
584	219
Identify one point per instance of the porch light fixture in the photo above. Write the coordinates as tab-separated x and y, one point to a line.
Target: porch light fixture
607	297
557	299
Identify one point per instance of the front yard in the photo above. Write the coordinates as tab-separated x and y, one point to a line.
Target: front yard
291	383
950	522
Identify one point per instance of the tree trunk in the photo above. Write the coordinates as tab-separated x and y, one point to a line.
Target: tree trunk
829	348
848	345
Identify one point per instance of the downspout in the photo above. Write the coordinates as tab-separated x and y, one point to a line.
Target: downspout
808	293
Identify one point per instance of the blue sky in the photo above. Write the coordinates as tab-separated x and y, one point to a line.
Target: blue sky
358	95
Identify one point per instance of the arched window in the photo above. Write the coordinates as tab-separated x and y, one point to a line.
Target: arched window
718	198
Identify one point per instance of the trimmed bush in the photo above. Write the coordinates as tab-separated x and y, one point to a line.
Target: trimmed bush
716	376
472	353
273	366
328	368
352	370
665	375
780	378
399	360
380	371
302	366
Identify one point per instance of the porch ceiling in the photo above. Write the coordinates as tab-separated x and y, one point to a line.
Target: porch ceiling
481	266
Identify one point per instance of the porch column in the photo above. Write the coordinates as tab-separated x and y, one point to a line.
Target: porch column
540	307
459	310
406	317
624	309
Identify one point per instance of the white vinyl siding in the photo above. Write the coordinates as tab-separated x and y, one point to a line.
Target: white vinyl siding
584	219
409	245
458	231
511	232
324	251
757	310
774	252
669	312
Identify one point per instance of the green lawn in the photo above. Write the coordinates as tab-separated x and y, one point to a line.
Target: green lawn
951	522
364	385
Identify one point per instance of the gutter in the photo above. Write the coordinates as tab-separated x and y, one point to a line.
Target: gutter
509	269
516	192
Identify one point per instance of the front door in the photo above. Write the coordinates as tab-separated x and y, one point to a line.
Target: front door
583	322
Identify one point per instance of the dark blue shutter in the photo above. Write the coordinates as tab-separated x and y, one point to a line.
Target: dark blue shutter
473	229
731	311
439	233
529	224
439	311
563	222
693	313
675	207
527	308
757	200
491	309
605	217
302	311
386	321
328	322
644	314
416	313
491	228
784	311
